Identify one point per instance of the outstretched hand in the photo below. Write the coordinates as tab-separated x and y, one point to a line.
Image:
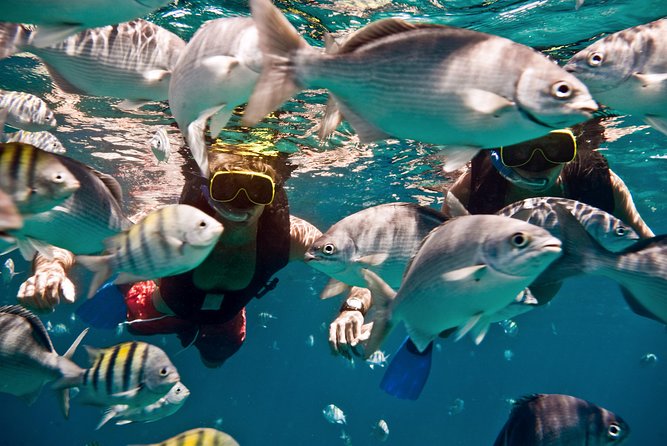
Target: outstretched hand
347	332
46	288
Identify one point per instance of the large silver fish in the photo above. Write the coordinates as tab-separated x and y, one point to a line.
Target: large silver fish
131	60
381	238
627	71
42	140
465	271
63	18
26	111
160	145
216	72
202	436
432	83
27	357
169	241
561	420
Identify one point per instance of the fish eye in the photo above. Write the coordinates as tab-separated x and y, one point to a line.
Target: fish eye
519	240
164	371
614	431
328	249
202	224
595	59
561	90
620	231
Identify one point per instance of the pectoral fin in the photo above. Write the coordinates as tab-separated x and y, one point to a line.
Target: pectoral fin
651	80
486	102
469	272
334	288
373	259
156	75
220	65
462	331
219	121
366	131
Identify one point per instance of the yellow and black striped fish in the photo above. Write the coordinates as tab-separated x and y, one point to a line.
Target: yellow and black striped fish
36	180
132	373
203	436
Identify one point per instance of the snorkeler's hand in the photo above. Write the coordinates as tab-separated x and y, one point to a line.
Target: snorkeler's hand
346	332
45	289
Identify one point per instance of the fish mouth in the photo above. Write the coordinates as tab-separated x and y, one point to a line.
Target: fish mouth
552	247
586	106
307	257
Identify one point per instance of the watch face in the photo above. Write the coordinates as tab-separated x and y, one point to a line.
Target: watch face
354	304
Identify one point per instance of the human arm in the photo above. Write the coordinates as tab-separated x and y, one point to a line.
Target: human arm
49	282
348	329
302	235
624	207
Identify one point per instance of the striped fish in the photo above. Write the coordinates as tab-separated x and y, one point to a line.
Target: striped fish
131	60
27	357
165	406
160	145
42	140
133	373
36	180
203	436
168	241
26	111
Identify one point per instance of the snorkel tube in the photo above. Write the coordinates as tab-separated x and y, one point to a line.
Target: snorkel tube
535	184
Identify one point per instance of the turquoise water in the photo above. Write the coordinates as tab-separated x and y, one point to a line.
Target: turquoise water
586	343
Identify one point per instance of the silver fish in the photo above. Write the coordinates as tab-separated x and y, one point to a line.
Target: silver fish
380	430
203	436
42	140
377	359
160	145
35	179
465	271
27	357
164	407
561	420
380	238
169	241
62	18
133	373
482	90
627	71
26	111
131	60
333	414
8	271
216	72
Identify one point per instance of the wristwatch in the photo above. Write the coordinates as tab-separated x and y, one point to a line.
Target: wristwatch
353	304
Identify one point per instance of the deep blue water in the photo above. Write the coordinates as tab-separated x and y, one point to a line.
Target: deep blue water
586	343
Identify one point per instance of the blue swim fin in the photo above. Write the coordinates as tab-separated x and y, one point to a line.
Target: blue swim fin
106	309
408	371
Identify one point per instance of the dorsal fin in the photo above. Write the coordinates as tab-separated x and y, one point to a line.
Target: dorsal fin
111	183
377	30
37	325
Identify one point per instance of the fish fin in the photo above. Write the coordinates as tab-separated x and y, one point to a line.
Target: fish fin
195	136
70	370
376	30
156	75
101	265
13	36
652	80
366	131
26	248
47	35
128	393
334	288
62	83
420	339
106	309
107	415
383	296
660	124
72	348
373	259
485	102
462	331
220	120
39	330
330	44
578	4
455	157
278	41
332	118
408	371
542	294
464	273
220	65
10	249
480	330
128	105
111	184
638	308
31	397
579	248
123	422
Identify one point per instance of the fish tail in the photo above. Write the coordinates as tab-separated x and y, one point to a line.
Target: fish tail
382	296
71	373
101	265
279	42
13	38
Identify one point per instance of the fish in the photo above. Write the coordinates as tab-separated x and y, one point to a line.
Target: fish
380	430
26	111
612	233
59	19
165	406
132	373
561	420
131	60
160	145
333	414
171	240
627	71
28	359
649	359
377	359
42	140
216	72
380	238
203	436
464	272
483	91
82	222
8	271
457	406
36	180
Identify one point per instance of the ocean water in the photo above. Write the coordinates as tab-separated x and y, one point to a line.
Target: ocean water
585	343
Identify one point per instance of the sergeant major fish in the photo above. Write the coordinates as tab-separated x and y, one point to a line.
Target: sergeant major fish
169	241
333	414
561	420
203	436
26	111
465	271
627	71
42	140
480	90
